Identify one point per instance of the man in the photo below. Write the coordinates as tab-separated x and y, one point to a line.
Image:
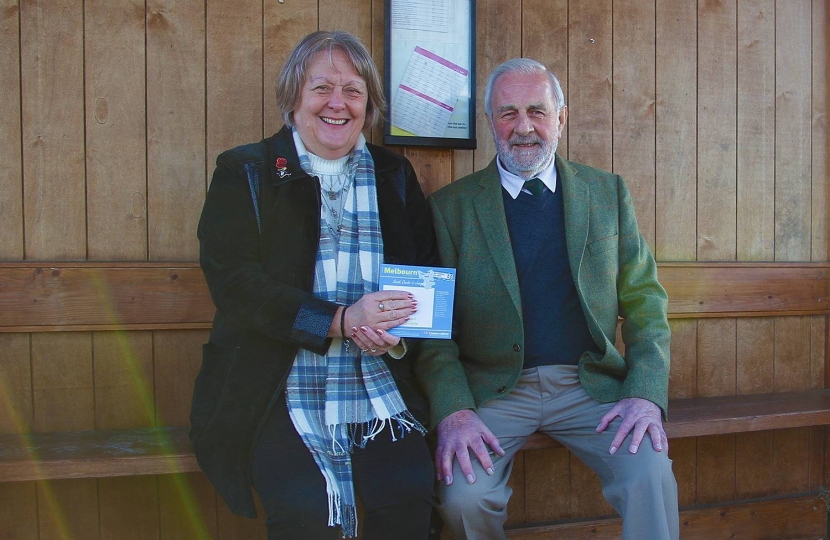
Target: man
549	257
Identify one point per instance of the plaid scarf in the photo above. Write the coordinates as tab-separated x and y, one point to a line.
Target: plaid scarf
343	399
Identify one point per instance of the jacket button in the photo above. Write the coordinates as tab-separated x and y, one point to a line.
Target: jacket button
517	347
501	389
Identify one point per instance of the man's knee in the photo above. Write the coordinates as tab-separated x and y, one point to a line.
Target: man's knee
465	499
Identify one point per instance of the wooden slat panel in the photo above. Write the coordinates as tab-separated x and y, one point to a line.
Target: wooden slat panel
175	126
544	493
741	289
516	511
676	131
496	41
177	357
634	106
796	518
62	392
96	296
234	75
590	72
68	509
16	413
756	130
354	16
11	174
716	157
129	508
187	507
52	69
552	51
820	141
105	297
434	168
115	129
123	379
284	23
18	511
792	132
754	452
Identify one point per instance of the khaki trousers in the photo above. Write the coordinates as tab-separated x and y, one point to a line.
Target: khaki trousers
640	487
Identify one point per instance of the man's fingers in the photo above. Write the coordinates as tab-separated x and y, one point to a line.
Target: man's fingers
637	436
466	465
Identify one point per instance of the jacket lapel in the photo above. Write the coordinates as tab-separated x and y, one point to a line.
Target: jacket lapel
489	208
576	200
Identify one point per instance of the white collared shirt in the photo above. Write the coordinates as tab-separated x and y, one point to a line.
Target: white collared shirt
513	183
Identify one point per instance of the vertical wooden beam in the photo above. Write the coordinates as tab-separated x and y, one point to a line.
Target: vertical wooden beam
634	106
53	128
234	75
756	130
820	149
716	158
792	131
676	131
175	126
11	175
116	158
590	75
285	24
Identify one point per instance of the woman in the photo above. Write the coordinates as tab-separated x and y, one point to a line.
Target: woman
303	393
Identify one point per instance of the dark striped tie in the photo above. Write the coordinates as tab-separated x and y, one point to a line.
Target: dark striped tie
534	186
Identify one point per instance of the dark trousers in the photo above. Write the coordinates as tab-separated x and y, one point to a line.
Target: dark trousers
393	480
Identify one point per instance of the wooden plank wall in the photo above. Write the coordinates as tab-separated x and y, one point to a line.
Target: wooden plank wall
113	113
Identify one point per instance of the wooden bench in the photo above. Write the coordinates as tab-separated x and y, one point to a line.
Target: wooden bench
93	454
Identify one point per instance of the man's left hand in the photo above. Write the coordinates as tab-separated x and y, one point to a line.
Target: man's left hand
638	417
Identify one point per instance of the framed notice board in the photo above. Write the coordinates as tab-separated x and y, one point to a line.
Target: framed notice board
430	73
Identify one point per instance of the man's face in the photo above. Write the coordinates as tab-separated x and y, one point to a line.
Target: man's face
526	125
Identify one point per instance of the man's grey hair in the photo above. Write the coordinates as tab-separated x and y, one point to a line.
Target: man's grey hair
292	77
524	66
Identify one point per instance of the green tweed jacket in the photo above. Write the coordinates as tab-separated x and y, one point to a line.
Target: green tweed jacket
615	275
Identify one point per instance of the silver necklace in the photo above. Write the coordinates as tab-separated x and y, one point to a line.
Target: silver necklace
335	203
331	190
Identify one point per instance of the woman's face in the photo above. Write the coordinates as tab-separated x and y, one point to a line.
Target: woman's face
332	108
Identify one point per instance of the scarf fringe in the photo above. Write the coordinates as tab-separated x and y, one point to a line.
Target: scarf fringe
344	515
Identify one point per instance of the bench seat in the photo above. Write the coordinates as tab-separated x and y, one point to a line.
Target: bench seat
48	456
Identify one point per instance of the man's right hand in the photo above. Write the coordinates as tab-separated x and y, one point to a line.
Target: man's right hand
458	432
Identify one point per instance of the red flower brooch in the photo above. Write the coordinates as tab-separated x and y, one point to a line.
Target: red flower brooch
282	167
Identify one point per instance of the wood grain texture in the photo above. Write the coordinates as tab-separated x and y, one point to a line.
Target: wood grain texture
123	379
177	357
586	492
141	296
115	129
496	41
516	510
129	508
590	75
683	453
433	167
187	507
634	106
16	407
552	49
51	67
756	130
793	91
354	16
716	157
234	75
547	487
68	509
11	175
676	131
285	24
819	135
18	511
683	369
791	519
176	176
62	381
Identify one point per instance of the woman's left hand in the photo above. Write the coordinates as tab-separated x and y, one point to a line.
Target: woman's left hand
373	342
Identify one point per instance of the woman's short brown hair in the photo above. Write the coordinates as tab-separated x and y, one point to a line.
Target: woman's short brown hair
294	72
